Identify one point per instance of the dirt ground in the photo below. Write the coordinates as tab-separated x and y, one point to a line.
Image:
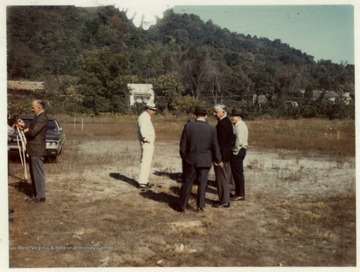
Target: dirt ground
299	211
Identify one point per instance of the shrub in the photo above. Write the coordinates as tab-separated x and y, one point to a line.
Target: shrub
184	104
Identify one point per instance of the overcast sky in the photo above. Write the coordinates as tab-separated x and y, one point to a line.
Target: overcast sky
322	31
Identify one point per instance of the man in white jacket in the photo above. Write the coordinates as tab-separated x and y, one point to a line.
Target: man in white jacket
146	136
239	153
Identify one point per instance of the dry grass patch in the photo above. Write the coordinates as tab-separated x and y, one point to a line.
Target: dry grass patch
294	231
324	235
92	200
335	137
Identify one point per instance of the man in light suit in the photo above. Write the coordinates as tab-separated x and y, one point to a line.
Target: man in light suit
146	136
198	150
36	149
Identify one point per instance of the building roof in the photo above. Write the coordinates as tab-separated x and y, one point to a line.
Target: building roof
25	85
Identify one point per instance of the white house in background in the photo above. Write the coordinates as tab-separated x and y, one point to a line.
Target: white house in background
141	93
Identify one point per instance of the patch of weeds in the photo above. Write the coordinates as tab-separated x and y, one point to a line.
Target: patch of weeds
195	231
312	216
64	207
325	235
158	165
209	220
274	222
291	175
110	218
255	164
294	231
340	162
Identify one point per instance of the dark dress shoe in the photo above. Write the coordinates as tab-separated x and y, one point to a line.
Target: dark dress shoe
145	186
37	200
180	210
224	205
30	199
199	209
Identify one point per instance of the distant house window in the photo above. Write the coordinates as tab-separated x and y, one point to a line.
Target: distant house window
142	98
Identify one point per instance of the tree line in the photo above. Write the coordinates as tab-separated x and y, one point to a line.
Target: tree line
86	57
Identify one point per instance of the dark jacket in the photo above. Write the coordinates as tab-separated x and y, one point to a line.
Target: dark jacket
198	144
36	145
226	138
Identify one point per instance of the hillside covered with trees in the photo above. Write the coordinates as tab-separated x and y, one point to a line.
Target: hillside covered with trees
87	56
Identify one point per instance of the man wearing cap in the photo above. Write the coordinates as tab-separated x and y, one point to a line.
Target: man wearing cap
198	149
239	153
146	136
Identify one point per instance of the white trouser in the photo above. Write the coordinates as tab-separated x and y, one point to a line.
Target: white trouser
147	152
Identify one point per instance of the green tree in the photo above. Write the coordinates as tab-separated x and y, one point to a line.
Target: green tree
102	81
168	87
309	93
213	63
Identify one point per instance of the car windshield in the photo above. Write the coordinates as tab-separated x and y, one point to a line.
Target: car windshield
51	125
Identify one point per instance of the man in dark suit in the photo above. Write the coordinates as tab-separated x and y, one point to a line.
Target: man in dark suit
36	149
226	140
198	149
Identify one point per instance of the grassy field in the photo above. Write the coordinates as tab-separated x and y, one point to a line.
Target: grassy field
300	208
336	137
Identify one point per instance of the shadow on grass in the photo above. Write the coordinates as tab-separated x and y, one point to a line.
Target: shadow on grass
173	176
123	178
159	197
178	178
171	200
162	197
23	186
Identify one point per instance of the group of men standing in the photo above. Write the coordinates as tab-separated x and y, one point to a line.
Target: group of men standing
202	146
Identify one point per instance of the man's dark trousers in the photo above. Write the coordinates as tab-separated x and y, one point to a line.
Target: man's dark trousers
37	175
237	169
190	174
